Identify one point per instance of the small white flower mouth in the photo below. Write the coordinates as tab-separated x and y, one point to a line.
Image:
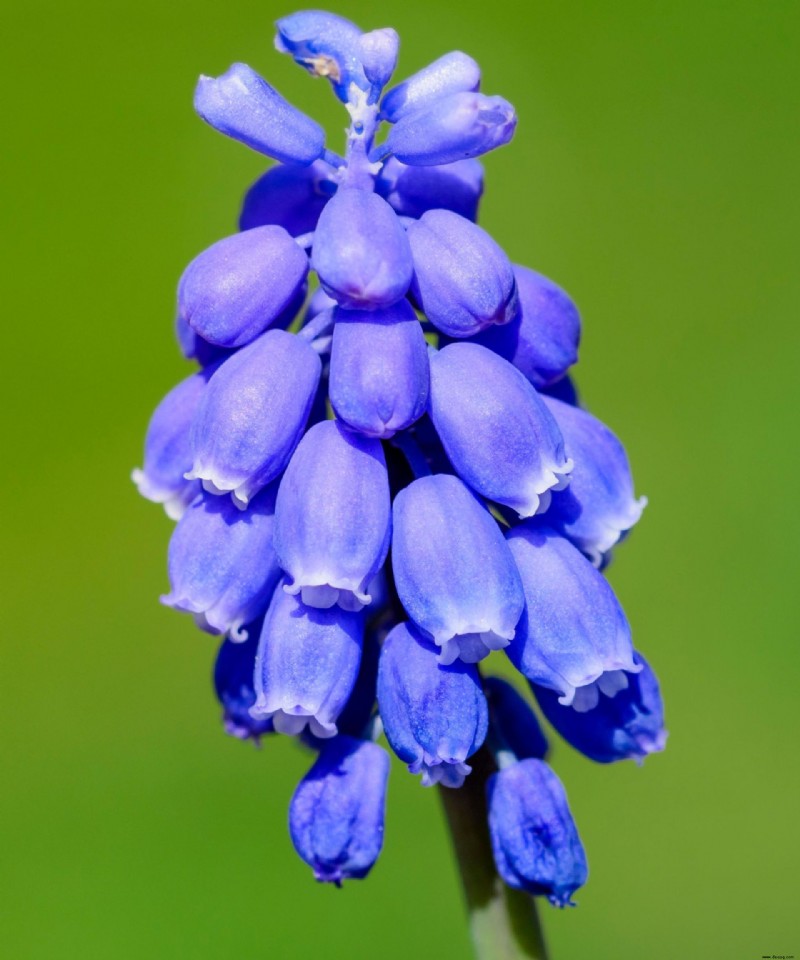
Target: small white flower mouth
584	698
470	647
293	720
324	595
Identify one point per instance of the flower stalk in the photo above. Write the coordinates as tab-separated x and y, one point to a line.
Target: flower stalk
504	923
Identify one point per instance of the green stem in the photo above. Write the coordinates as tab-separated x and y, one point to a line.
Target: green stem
503	922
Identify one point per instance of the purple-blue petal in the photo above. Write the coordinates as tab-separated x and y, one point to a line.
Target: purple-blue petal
434	716
412	191
542	340
599	506
454	72
573	636
333	516
326	45
167	450
222	565
455	127
287	196
627	726
252	416
379	375
307	664
336	817
241	285
463	282
534	838
361	252
233	685
242	105
497	431
453	571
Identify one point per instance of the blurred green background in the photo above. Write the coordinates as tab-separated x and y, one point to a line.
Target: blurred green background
655	176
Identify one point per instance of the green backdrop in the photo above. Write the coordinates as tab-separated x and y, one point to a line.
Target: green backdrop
654	175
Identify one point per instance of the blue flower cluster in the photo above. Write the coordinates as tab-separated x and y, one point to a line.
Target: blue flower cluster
417	407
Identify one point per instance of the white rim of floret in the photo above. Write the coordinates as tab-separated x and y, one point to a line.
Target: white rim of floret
174	500
552	479
291	721
593	680
206	619
241	492
597	548
470	646
347	592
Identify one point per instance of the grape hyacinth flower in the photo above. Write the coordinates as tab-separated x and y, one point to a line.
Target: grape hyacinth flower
381	475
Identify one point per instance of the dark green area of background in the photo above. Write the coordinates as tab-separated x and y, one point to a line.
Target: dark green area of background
655	176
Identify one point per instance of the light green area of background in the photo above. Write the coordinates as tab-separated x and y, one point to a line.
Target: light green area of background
655	176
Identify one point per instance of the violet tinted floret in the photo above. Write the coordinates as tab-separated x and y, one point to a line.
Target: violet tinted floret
307	664
599	507
241	285
326	45
454	72
251	419
412	191
513	723
167	450
497	431
458	126
542	339
361	252
333	517
288	196
573	636
378	54
242	105
379	375
463	282
628	726
434	716
233	685
222	565
453	571
337	812
534	838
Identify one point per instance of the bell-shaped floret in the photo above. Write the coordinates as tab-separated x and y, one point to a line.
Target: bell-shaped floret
453	73
327	46
514	725
456	127
599	507
167	450
434	716
222	565
412	191
239	286
453	571
499	435
463	281
253	414
233	684
333	515
307	664
378	54
287	196
242	105
361	252
573	636
379	375
534	838
337	812
627	726
542	340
